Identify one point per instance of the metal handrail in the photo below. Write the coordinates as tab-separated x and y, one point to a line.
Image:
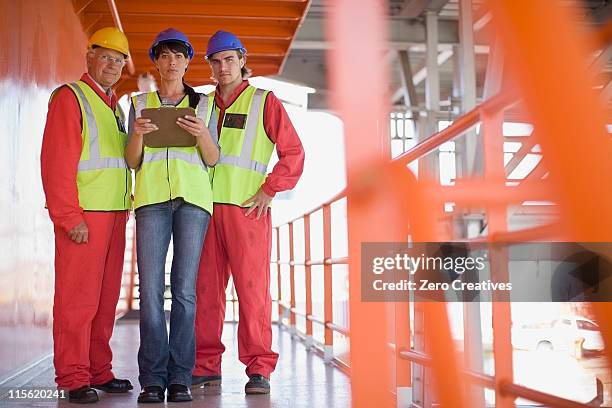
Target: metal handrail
464	122
488	381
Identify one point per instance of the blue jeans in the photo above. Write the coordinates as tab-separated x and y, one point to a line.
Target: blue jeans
163	361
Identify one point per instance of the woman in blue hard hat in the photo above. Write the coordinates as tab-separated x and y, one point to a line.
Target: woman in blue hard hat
172	198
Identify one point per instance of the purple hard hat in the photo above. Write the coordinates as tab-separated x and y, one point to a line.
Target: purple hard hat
223	41
170	35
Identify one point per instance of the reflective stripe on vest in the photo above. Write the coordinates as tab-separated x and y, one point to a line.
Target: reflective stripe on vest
250	133
194	158
103	178
245	148
167	173
95	162
172	154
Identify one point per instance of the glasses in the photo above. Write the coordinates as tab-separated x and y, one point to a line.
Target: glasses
107	58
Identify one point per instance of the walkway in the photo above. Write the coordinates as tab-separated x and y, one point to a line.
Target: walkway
301	378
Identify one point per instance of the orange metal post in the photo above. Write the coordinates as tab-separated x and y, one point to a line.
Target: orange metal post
328	305
402	341
361	105
278	275
291	278
446	367
308	276
497	214
567	114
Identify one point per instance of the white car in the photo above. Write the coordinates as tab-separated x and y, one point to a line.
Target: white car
560	334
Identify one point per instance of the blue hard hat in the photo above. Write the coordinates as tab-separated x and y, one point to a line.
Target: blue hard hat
170	35
223	41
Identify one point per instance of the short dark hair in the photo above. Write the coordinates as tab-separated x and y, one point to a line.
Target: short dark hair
175	47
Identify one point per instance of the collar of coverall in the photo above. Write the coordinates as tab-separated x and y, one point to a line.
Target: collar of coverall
233	96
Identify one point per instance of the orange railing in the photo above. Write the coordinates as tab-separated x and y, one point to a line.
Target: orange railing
526	31
327	261
428	146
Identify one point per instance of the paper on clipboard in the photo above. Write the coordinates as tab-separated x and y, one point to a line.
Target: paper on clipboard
169	134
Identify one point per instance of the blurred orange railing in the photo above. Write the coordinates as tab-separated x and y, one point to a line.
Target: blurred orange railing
537	40
465	122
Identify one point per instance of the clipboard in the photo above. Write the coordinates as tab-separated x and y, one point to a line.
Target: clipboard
169	134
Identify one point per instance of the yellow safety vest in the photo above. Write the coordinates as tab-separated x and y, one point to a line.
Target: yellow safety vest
104	181
167	173
245	148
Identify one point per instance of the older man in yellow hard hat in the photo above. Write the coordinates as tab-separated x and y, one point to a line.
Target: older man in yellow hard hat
88	191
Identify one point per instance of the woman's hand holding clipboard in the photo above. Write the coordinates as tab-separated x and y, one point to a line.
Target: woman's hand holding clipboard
169	127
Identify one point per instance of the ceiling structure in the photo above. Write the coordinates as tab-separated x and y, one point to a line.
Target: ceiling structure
286	39
266	29
407	31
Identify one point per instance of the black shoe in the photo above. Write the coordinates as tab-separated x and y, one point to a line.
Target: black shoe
258	384
179	393
206	384
83	395
115	386
153	393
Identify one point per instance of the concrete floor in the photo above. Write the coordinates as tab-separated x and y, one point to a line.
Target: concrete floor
301	378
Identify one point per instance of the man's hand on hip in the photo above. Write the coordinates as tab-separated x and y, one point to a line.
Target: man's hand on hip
261	201
80	233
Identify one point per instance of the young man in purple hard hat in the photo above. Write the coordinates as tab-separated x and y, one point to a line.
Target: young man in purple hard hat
250	123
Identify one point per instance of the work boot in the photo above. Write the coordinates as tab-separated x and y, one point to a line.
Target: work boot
179	393
206	384
258	384
83	395
151	393
114	386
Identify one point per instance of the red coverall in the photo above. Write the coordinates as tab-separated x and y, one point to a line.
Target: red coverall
87	275
243	245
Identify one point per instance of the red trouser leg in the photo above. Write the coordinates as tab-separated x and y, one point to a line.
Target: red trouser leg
100	354
210	307
79	276
248	245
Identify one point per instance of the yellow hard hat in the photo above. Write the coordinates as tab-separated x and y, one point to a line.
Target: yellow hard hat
111	38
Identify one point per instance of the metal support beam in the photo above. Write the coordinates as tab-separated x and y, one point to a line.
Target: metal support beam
421	74
429	166
414	8
408	88
495	145
464	85
446	52
600	61
466	146
402	33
